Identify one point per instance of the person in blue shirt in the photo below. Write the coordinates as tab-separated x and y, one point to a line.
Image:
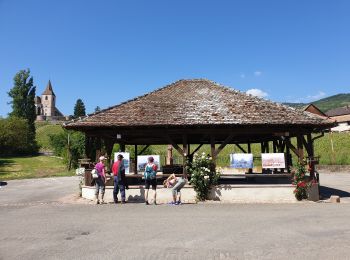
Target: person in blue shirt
150	179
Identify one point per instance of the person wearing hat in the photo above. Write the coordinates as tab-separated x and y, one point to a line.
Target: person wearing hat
100	182
150	179
118	170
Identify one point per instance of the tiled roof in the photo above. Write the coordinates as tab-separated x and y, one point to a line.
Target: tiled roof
48	90
339	111
197	102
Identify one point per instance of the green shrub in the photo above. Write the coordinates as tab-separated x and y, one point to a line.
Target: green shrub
14	137
203	175
71	151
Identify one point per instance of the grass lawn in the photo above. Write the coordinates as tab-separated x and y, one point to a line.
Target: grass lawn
32	167
43	130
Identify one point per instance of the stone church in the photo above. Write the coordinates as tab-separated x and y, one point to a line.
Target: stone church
45	106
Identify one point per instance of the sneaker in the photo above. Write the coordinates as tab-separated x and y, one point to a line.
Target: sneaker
178	203
172	203
123	201
97	202
146	203
155	203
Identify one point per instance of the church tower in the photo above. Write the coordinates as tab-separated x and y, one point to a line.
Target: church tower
48	100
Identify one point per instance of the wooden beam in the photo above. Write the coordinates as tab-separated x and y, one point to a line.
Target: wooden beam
306	145
143	149
241	148
175	145
292	147
224	143
196	150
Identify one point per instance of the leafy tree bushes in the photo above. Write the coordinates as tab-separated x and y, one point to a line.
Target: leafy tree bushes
14	136
70	145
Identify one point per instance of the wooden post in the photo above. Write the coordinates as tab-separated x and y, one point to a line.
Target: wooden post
274	147
169	158
310	143
250	170
267	146
213	150
184	155
288	155
135	160
300	148
262	145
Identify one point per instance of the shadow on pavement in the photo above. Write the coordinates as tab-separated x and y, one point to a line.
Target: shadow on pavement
3	183
327	192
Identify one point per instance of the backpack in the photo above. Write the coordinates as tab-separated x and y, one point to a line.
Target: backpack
150	172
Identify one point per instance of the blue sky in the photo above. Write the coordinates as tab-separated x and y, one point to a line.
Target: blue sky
106	52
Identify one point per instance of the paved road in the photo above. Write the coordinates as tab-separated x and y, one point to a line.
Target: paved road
46	223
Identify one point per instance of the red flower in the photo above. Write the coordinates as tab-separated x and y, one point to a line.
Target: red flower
301	184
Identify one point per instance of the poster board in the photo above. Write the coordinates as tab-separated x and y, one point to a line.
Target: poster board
143	159
126	160
273	160
241	160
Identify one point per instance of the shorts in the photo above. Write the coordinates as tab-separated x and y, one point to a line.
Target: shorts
151	182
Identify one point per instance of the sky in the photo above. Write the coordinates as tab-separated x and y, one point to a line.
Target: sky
106	52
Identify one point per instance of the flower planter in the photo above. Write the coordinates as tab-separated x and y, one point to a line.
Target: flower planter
313	192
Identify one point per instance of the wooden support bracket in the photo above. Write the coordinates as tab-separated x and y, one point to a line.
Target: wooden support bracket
175	145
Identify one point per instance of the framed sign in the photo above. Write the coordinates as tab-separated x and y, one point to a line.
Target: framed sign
142	160
126	161
273	160
241	160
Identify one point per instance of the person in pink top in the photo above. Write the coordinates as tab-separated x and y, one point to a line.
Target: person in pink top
100	182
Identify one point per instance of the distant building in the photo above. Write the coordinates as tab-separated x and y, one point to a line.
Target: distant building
341	115
45	106
311	108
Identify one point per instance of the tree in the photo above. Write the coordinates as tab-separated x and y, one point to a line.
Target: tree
23	106
14	136
70	145
79	108
97	109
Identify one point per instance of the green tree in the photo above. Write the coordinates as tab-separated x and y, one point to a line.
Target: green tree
14	136
23	106
70	145
79	109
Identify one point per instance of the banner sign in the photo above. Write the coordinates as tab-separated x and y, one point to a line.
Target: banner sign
241	160
273	160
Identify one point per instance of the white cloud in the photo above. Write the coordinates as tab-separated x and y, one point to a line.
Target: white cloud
257	73
309	98
317	96
242	76
257	92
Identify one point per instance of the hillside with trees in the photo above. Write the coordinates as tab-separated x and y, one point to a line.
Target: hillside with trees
326	104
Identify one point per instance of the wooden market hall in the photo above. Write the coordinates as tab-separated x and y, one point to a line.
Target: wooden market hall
190	113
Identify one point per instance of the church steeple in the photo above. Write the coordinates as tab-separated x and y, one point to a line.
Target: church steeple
49	90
